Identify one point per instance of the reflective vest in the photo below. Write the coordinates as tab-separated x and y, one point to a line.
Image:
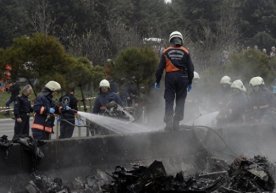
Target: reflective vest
43	120
170	67
42	128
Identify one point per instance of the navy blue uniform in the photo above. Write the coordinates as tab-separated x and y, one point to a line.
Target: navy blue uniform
22	109
103	99
177	63
43	120
67	123
260	103
234	111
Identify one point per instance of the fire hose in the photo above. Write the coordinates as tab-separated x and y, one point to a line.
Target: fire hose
233	153
76	125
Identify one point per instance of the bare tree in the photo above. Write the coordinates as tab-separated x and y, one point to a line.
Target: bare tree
98	48
211	50
122	36
91	45
42	19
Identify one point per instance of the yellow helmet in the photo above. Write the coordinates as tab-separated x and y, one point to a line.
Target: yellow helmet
196	76
104	83
256	81
225	80
176	34
238	85
53	86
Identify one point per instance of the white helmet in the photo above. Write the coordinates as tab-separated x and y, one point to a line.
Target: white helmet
104	83
225	80
196	76
175	34
53	86
256	81
238	85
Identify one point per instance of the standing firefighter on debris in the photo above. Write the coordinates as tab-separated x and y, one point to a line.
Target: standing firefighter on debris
179	69
44	108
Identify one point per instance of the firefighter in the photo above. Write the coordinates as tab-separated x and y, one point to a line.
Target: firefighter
14	89
225	82
225	91
235	109
177	63
44	108
261	99
196	77
105	97
273	51
22	110
70	106
194	101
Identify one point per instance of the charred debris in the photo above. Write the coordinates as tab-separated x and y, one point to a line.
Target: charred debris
243	175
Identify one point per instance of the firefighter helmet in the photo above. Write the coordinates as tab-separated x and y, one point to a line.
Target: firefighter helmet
176	34
196	76
104	83
53	86
225	80
256	81
238	85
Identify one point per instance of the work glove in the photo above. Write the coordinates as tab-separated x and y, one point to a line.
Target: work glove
189	87
111	104
19	120
156	85
52	110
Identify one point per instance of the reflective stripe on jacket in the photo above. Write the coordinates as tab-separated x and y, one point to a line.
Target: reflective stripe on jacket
174	58
42	128
43	120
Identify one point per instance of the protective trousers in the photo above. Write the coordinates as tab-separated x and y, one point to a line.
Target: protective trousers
22	129
175	89
67	126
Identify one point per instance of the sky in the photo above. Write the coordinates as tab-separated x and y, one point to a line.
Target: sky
168	1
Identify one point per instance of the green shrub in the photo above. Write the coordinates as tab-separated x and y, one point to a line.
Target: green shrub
138	62
249	63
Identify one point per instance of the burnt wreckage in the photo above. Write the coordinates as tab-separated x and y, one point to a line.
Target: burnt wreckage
243	175
20	157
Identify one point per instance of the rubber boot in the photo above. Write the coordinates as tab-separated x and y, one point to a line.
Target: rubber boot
169	126
176	125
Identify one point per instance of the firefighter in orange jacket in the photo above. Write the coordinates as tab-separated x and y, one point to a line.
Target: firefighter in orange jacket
44	108
177	63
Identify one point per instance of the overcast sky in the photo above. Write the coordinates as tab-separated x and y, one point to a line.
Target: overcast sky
168	1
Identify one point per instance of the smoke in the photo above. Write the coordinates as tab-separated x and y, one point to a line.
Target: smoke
230	138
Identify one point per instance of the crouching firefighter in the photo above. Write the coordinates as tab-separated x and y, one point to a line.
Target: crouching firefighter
105	99
102	102
44	109
179	69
